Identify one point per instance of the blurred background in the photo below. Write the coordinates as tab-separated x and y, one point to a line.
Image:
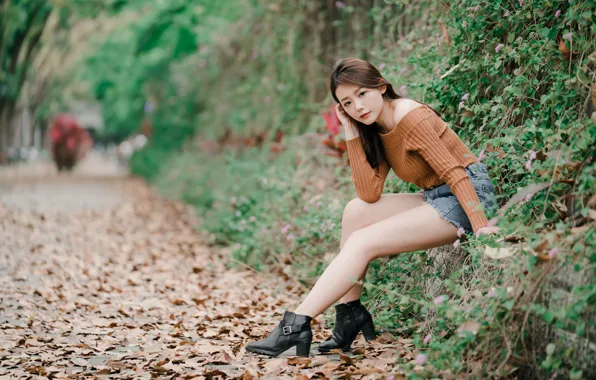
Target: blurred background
224	105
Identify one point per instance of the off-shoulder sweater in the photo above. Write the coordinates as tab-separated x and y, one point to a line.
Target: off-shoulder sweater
422	150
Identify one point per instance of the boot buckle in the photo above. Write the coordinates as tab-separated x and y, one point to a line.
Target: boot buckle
287	330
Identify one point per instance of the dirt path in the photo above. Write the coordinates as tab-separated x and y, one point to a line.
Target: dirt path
99	276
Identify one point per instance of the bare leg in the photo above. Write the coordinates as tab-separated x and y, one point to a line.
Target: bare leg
359	214
415	229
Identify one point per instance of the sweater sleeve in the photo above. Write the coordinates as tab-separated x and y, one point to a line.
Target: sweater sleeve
368	181
424	139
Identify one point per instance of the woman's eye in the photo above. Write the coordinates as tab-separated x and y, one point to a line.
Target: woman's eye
362	93
346	104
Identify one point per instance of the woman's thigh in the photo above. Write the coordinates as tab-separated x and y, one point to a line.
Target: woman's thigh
360	214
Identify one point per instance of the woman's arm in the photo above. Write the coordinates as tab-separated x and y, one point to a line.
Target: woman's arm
368	181
424	139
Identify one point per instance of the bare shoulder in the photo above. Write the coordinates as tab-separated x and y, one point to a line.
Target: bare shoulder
403	107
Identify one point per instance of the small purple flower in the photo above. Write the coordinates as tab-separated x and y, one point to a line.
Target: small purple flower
567	36
553	252
456	244
402	90
421	359
529	165
305	208
148	107
381	66
319	203
267	100
476	8
557	13
521	3
340	4
440	300
464	97
285	229
290	237
499	47
427	339
481	155
323	228
460	232
460	105
532	155
491	293
331	226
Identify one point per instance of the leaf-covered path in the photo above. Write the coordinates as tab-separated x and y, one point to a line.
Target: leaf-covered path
100	276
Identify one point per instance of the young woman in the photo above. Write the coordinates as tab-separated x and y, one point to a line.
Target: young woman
383	131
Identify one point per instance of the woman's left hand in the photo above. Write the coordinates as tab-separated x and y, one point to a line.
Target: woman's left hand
487	230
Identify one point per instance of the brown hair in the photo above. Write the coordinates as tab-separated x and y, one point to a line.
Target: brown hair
354	71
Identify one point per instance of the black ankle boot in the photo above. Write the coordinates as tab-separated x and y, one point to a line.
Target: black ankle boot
293	330
350	319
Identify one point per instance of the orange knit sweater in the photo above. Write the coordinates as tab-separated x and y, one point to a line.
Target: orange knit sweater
422	150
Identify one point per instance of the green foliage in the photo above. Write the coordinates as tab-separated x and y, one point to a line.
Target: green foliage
504	83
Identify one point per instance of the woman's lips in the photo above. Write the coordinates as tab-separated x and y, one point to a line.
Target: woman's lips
365	115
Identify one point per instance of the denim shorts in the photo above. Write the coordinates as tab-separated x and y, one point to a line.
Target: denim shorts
445	202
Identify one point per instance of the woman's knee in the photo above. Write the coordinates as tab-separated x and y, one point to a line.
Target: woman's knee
359	246
353	213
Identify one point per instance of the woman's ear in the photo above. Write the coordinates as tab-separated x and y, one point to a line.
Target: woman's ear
383	88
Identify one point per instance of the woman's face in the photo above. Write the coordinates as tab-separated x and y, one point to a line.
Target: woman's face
361	103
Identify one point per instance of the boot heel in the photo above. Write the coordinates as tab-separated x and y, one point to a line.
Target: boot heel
303	349
368	330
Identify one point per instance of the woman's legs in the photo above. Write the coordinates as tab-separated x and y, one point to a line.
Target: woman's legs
418	228
359	214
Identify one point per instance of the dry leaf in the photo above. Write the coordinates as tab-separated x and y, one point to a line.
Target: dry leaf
498	252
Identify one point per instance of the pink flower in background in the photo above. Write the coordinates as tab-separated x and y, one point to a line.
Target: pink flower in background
506	14
491	293
427	339
267	100
567	36
557	13
460	232
553	252
460	105
402	90
499	47
340	4
481	155
521	3
253	219
440	300
381	66
331	121
421	359
529	162
285	229
465	97
456	244
290	237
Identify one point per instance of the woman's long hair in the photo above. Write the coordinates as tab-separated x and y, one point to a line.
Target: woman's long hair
354	71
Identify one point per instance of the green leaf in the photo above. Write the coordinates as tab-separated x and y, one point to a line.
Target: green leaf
550	349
